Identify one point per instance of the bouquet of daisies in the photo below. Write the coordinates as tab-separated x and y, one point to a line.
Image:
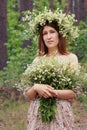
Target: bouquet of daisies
51	71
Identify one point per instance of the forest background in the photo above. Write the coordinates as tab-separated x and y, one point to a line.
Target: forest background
17	51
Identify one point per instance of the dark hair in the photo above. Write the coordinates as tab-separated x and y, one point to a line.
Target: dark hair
61	45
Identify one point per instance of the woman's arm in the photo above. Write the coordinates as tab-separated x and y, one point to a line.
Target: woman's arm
64	94
47	91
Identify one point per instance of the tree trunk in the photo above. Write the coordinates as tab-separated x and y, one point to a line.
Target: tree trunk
51	4
59	1
26	5
3	33
77	7
82	14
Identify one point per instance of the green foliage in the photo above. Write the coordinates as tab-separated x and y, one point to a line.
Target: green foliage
18	57
61	4
41	4
83	78
82	99
82	81
47	109
80	44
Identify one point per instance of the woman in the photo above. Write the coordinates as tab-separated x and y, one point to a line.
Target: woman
51	42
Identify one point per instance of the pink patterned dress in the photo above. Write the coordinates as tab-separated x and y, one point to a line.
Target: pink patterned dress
63	118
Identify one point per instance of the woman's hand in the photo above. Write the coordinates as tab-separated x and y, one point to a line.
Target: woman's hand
44	90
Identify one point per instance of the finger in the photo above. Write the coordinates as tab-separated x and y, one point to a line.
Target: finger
44	95
50	87
53	92
48	93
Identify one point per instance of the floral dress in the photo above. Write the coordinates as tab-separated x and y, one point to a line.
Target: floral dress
64	119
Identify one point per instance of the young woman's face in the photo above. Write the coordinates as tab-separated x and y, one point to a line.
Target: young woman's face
50	37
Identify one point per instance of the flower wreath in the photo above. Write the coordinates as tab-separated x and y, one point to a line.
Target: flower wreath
65	22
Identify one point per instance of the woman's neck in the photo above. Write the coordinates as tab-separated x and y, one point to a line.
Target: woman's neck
53	52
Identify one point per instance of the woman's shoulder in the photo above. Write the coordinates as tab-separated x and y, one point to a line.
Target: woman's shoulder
73	56
37	59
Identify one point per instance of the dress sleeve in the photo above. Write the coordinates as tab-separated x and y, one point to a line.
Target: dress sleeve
74	64
36	60
25	93
26	87
76	68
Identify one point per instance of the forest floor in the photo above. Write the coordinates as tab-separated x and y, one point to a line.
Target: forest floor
80	113
14	116
13	113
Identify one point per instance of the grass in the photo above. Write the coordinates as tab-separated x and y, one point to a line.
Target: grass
13	115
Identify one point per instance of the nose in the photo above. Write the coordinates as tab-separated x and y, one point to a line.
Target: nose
48	35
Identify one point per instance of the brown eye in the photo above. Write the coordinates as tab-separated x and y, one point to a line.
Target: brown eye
52	31
44	33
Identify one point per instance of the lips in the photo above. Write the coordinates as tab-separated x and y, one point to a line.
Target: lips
49	41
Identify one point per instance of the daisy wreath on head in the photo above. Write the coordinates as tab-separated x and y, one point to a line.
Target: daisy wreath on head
65	22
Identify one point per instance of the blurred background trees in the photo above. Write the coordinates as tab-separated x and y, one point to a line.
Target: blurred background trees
15	51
